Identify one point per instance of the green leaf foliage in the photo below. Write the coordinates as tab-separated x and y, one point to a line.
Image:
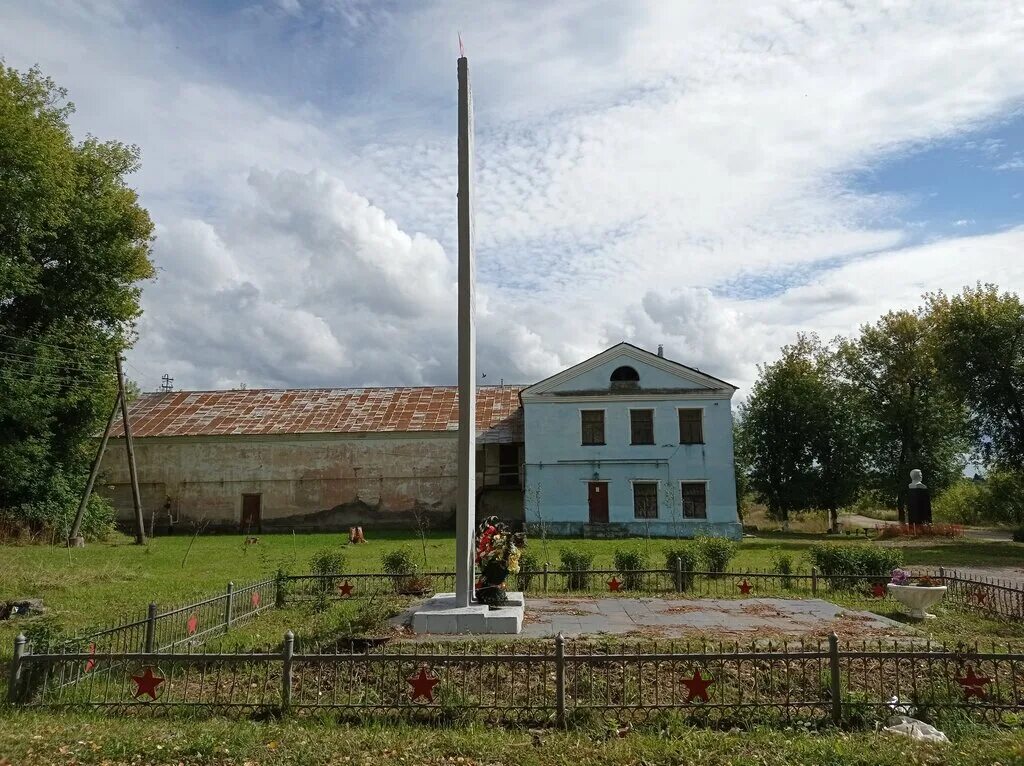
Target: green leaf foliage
74	248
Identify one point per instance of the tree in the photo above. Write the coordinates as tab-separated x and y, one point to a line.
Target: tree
914	420
74	246
799	435
979	347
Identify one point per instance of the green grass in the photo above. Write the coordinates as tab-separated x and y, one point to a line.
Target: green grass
36	738
84	588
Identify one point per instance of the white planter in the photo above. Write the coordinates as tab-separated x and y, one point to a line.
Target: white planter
918	598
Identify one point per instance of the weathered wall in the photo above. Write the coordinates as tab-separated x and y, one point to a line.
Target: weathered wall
307	481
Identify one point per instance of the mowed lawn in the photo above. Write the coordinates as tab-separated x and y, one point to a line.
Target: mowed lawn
98	585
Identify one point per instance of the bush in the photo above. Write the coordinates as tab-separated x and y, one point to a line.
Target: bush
1018	535
782	564
575	565
846	566
327	561
401	562
716	552
962	503
528	564
683	562
630	565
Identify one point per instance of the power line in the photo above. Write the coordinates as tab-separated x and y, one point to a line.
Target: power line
15	358
50	345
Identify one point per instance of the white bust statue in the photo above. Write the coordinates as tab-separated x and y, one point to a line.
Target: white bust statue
915	479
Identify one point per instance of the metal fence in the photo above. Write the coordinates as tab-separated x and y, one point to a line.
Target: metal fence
554	681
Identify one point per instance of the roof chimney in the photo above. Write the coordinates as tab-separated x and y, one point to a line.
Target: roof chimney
661	350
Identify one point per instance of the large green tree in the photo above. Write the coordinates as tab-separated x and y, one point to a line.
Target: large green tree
979	347
74	247
799	434
914	419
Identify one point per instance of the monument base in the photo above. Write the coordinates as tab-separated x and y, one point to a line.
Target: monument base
441	615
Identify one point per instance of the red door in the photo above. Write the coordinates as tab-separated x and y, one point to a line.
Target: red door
597	497
252	513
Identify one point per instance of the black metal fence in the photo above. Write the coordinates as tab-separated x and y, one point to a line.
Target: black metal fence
556	681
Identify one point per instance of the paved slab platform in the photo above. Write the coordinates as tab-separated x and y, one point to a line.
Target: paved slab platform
714	619
441	614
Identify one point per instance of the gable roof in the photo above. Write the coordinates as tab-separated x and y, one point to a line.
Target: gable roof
499	415
700	380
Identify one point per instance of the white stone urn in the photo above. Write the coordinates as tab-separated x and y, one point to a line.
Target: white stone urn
918	598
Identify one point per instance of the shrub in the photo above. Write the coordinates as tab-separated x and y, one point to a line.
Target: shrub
716	552
683	562
962	503
327	561
1018	535
893	531
846	566
782	564
401	562
528	565
630	564
575	565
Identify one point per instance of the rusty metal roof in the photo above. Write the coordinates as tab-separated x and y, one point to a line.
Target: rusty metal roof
499	416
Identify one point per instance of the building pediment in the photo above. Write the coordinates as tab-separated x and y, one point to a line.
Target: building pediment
627	371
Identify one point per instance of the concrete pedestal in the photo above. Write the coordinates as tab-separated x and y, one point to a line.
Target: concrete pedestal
442	614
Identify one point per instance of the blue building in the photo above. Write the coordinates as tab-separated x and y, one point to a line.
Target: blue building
628	442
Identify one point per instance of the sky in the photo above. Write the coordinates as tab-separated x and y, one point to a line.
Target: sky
713	177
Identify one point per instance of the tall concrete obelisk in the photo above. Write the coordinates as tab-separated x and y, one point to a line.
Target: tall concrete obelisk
465	506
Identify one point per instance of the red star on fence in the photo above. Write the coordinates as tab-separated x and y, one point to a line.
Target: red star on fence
147	683
980	596
255	600
91	662
614	585
423	685
878	590
745	587
973	685
697	687
192	625
346	589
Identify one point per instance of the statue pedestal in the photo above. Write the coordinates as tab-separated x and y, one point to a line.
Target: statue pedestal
441	614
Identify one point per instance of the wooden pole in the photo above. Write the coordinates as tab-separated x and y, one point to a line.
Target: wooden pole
140	524
75	540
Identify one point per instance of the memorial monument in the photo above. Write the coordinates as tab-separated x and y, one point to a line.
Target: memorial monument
458	612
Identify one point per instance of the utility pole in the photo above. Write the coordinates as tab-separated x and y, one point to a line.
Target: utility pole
140	524
166	383
75	540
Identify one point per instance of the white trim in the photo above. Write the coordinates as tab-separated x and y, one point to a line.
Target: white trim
604	425
629	427
703	424
631	352
720	394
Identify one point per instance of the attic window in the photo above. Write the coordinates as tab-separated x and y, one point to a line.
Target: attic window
625	375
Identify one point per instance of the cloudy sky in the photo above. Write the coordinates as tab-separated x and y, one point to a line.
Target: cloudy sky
710	176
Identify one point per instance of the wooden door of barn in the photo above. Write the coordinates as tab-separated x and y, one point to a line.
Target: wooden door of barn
597	498
252	514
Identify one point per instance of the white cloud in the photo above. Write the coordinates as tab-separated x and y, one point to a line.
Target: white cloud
659	172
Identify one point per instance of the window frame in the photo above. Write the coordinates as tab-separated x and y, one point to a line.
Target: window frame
657	494
682	498
679	424
653	441
604	427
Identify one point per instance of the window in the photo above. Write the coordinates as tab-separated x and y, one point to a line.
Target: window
508	465
691	426
641	426
625	375
645	499
695	500
592	422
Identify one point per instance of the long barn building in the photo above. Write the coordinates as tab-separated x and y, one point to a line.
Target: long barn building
626	442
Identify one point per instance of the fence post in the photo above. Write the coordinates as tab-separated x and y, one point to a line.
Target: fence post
545	577
814	581
227	606
286	671
14	676
150	644
560	679
833	662
942	575
679	575
279	591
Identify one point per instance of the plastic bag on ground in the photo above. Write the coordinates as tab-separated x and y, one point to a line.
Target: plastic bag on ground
917	730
